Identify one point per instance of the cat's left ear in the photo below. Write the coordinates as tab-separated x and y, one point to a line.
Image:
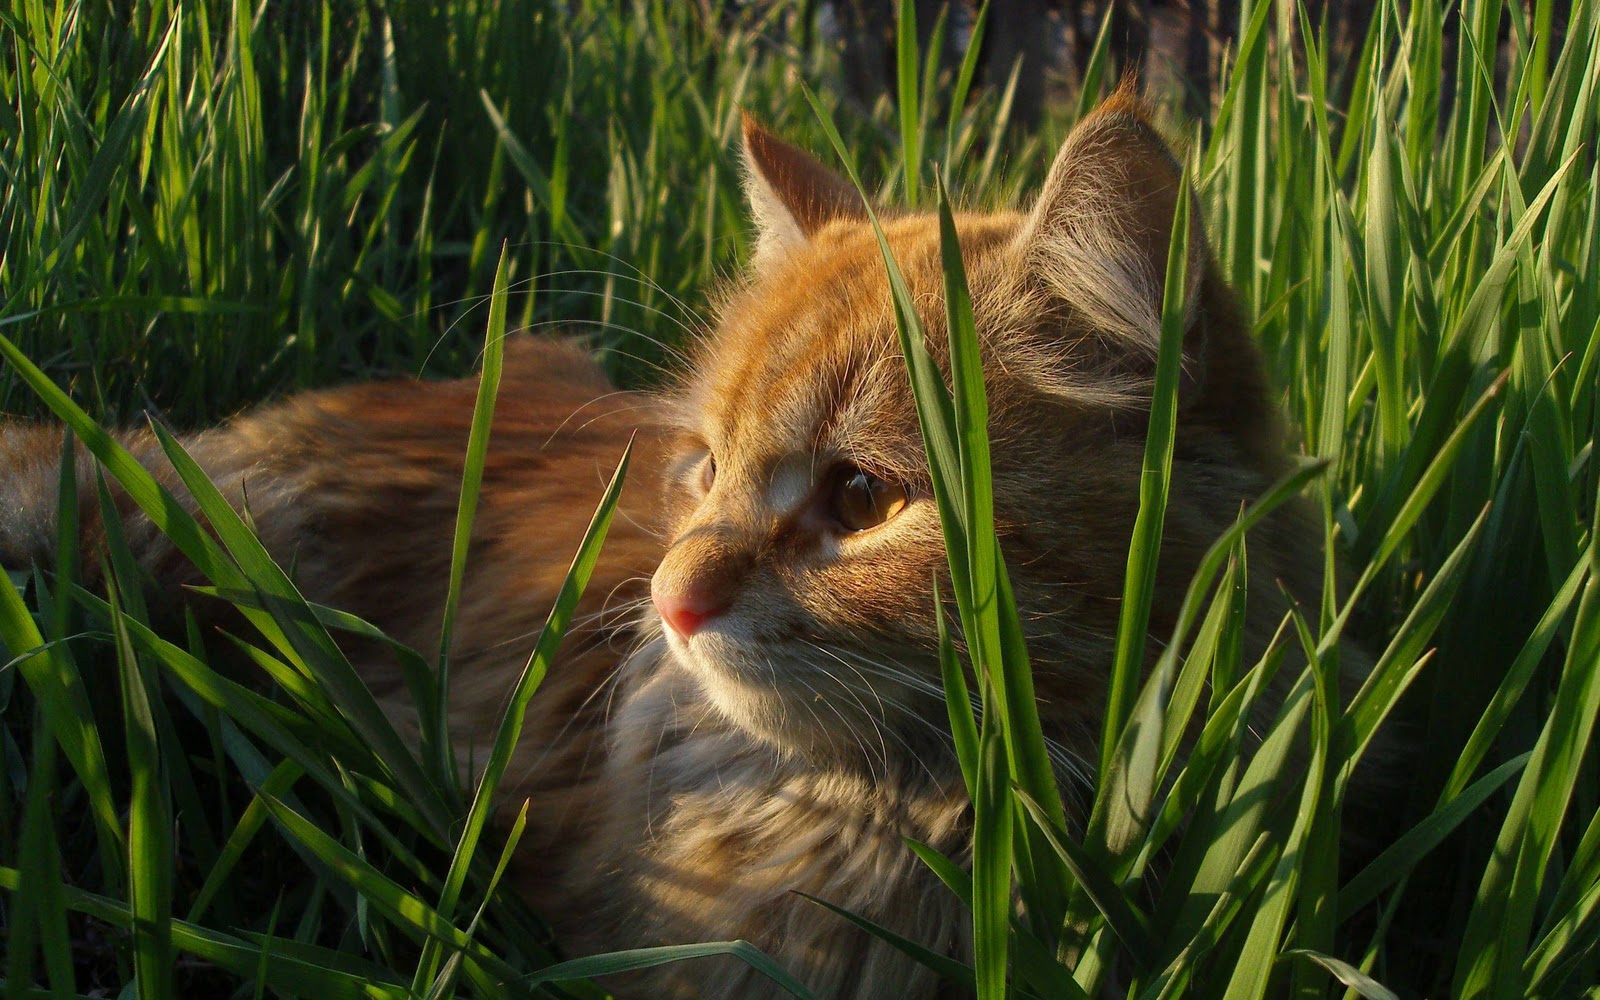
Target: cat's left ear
792	195
1098	235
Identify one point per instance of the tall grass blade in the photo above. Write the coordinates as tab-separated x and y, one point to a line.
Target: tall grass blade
1399	858
1504	913
149	821
533	673
908	93
647	958
322	975
37	918
1155	480
467	506
55	682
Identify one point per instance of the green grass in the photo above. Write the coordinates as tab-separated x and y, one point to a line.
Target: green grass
207	204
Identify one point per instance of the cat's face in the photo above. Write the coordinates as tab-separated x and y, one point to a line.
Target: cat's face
802	523
798	586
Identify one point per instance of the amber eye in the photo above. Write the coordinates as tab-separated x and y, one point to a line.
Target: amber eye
861	500
708	473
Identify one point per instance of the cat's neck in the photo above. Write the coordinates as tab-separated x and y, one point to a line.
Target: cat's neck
722	833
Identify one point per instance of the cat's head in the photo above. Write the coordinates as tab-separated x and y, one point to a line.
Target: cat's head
804	537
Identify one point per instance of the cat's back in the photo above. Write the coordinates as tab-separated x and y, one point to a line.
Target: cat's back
377	470
355	489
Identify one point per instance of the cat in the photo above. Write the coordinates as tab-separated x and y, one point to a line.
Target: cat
753	705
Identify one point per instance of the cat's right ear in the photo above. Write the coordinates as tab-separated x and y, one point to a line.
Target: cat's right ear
792	195
1098	234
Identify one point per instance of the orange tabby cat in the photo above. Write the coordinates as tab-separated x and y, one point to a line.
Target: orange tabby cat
776	723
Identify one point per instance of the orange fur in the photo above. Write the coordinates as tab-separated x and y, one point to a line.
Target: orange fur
685	787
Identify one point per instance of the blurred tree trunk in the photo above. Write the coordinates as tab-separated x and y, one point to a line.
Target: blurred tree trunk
1018	30
1130	37
1197	57
869	29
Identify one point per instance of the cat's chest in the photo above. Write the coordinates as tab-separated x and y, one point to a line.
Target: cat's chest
709	835
712	801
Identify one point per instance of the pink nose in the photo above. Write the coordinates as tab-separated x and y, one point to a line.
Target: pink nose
686	612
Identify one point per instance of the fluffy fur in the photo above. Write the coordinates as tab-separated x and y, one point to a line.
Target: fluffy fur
685	788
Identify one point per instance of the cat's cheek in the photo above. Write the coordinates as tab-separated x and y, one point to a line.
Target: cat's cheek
882	582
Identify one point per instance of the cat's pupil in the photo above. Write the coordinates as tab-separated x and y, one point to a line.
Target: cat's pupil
862	500
708	473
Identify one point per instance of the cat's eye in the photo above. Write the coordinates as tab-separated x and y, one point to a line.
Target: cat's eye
860	500
708	473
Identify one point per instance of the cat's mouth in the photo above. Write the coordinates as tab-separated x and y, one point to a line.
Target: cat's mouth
805	693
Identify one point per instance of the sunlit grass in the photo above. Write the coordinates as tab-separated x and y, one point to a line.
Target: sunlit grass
210	203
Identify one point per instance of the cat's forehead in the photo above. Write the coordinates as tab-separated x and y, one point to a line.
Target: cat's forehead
808	359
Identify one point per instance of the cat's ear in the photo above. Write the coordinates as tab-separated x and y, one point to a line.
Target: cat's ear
1099	232
791	194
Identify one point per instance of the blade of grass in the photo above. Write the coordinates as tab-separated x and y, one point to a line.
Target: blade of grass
992	846
958	702
467	506
992	808
1155	479
1399	858
55	682
1251	973
963	84
1036	966
1516	679
1092	84
444	983
149	820
277	785
1154	729
434	714
993	632
1131	926
319	978
1503	915
38	916
648	958
947	968
1384	685
404	909
907	97
510	730
307	640
1349	975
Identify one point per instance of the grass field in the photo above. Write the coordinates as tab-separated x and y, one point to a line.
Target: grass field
208	204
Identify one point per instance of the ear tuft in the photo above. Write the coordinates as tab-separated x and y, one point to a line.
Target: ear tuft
792	195
1099	233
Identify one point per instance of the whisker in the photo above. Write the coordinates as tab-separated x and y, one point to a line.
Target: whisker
907	712
472	302
884	702
866	751
638	273
564	323
1072	764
